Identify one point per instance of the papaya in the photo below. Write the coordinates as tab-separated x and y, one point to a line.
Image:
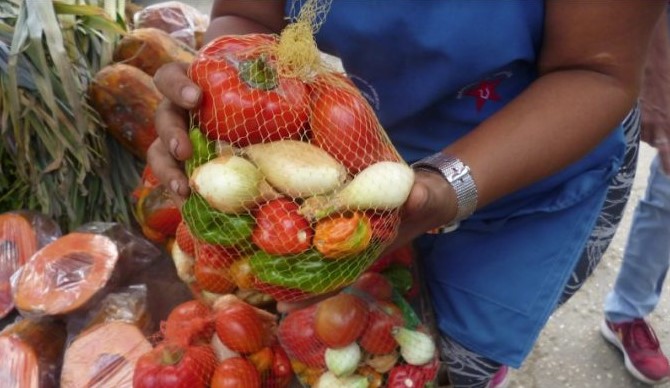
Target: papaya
126	99
31	353
66	275
18	241
104	356
150	48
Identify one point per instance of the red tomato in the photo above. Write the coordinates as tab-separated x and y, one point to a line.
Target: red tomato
340	319
377	338
185	239
171	365
215	255
280	229
158	211
236	372
244	101
241	329
190	323
344	125
282	372
384	225
296	335
375	285
213	279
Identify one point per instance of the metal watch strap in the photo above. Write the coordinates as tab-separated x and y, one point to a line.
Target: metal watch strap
458	176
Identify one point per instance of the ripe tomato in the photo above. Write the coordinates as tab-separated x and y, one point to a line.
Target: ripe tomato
215	255
297	336
185	240
190	323
236	372
213	279
280	229
241	329
244	101
344	125
340	319
171	365
377	338
384	225
374	284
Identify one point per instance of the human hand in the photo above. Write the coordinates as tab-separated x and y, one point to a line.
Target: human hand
656	132
431	203
172	147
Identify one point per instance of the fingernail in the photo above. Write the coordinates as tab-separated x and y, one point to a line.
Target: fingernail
189	94
174	144
175	186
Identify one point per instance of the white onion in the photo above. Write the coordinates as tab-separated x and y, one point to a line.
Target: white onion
381	186
343	361
416	347
296	168
228	183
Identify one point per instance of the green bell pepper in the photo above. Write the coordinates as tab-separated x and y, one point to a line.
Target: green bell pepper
310	271
213	226
203	150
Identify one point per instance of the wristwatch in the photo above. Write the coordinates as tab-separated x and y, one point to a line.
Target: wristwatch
458	176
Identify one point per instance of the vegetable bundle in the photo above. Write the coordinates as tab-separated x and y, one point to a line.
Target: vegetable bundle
366	336
292	178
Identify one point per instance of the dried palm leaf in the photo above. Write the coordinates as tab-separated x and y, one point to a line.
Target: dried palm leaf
55	155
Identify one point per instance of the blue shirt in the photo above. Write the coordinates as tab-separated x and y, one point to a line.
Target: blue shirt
436	69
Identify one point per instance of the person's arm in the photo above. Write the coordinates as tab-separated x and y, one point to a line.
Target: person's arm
655	95
243	17
590	70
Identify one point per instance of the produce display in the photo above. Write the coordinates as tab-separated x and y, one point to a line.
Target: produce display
291	171
22	233
296	192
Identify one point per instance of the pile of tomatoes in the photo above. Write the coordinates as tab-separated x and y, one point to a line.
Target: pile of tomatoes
231	344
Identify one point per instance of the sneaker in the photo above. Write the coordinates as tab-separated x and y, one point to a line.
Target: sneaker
500	379
641	350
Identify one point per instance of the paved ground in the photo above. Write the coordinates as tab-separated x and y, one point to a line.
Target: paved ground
570	353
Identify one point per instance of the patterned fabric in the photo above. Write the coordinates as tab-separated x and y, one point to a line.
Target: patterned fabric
608	221
467	369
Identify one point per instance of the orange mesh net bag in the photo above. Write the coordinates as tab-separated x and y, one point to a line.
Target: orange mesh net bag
295	186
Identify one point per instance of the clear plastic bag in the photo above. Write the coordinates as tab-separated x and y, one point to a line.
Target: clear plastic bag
181	21
74	272
22	233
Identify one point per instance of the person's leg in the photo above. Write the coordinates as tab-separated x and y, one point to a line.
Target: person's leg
639	283
468	369
647	255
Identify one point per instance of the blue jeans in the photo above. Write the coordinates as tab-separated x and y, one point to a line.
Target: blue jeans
647	256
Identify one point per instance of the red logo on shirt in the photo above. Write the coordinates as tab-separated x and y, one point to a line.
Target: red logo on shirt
484	91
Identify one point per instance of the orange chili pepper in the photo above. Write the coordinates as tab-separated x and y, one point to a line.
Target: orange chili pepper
342	235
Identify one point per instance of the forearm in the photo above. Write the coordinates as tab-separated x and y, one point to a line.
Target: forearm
555	122
243	17
655	93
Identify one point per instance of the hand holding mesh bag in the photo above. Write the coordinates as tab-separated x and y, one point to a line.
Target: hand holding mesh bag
290	165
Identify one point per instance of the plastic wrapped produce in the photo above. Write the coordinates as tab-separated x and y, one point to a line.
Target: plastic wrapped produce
74	272
181	21
31	353
21	234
